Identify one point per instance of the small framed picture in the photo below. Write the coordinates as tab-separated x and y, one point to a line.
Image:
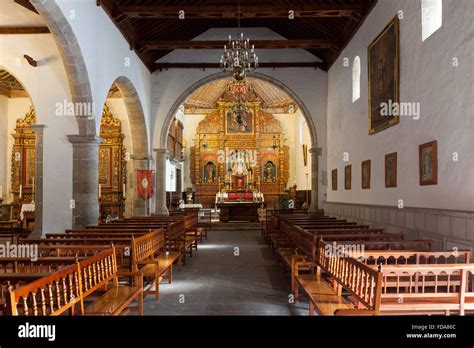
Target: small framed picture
365	175
429	163
334	179
391	170
348	177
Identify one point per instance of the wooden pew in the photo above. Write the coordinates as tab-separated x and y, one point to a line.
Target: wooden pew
388	289
150	257
68	288
326	297
191	226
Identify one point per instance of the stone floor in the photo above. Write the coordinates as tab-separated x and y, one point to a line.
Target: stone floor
232	273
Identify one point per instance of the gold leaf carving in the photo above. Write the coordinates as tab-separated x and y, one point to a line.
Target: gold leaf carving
28	120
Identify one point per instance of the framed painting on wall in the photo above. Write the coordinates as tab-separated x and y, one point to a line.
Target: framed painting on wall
383	69
348	177
391	170
239	120
334	179
365	175
428	157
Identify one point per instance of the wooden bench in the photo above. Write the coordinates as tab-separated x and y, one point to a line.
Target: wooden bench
191	225
61	292
389	289
361	281
150	257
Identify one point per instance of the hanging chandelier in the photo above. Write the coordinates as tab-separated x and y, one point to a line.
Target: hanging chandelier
239	57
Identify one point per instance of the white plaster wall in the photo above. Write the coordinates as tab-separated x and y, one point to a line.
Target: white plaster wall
427	76
106	53
310	85
47	85
303	182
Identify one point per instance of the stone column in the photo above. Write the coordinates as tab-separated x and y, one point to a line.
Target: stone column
315	152
38	194
140	206
85	185
160	187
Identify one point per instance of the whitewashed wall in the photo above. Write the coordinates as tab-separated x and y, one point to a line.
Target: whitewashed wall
46	84
427	76
106	53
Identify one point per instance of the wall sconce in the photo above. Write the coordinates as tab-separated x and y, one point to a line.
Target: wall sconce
274	144
204	142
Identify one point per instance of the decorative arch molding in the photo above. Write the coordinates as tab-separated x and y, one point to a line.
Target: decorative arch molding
136	116
182	98
73	61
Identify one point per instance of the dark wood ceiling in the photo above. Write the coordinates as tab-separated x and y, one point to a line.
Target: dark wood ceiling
9	85
153	28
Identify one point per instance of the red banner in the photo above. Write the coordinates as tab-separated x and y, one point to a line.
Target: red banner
144	183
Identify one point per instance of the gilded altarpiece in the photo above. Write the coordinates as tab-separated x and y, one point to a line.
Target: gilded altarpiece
112	166
216	137
23	161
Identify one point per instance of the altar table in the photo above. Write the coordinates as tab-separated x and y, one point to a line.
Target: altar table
238	211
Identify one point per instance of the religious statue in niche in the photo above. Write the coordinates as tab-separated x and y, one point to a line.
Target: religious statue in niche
269	172
209	173
238	161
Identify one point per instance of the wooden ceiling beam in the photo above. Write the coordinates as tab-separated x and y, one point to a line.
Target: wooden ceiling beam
23	30
230	11
164	66
219	44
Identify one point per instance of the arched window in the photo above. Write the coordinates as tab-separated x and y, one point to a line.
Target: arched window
356	79
431	17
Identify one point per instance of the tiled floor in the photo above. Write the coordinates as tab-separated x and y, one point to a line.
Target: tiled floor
217	281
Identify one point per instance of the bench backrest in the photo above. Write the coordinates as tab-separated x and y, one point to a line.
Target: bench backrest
360	280
421	279
190	222
175	231
146	247
403	257
61	291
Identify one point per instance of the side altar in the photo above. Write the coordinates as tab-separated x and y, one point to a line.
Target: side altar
239	149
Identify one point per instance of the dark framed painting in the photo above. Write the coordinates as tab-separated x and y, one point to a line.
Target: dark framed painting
428	154
348	177
334	179
241	122
383	69
365	175
391	170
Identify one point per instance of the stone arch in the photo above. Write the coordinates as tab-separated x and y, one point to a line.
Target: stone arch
221	75
135	114
160	207
73	60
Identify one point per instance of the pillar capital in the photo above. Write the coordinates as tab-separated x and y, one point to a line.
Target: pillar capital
38	127
77	139
161	151
141	157
316	151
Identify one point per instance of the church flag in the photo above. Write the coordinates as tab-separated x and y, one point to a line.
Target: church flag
145	183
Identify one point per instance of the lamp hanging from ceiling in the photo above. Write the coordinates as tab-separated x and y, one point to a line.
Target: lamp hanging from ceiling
239	58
